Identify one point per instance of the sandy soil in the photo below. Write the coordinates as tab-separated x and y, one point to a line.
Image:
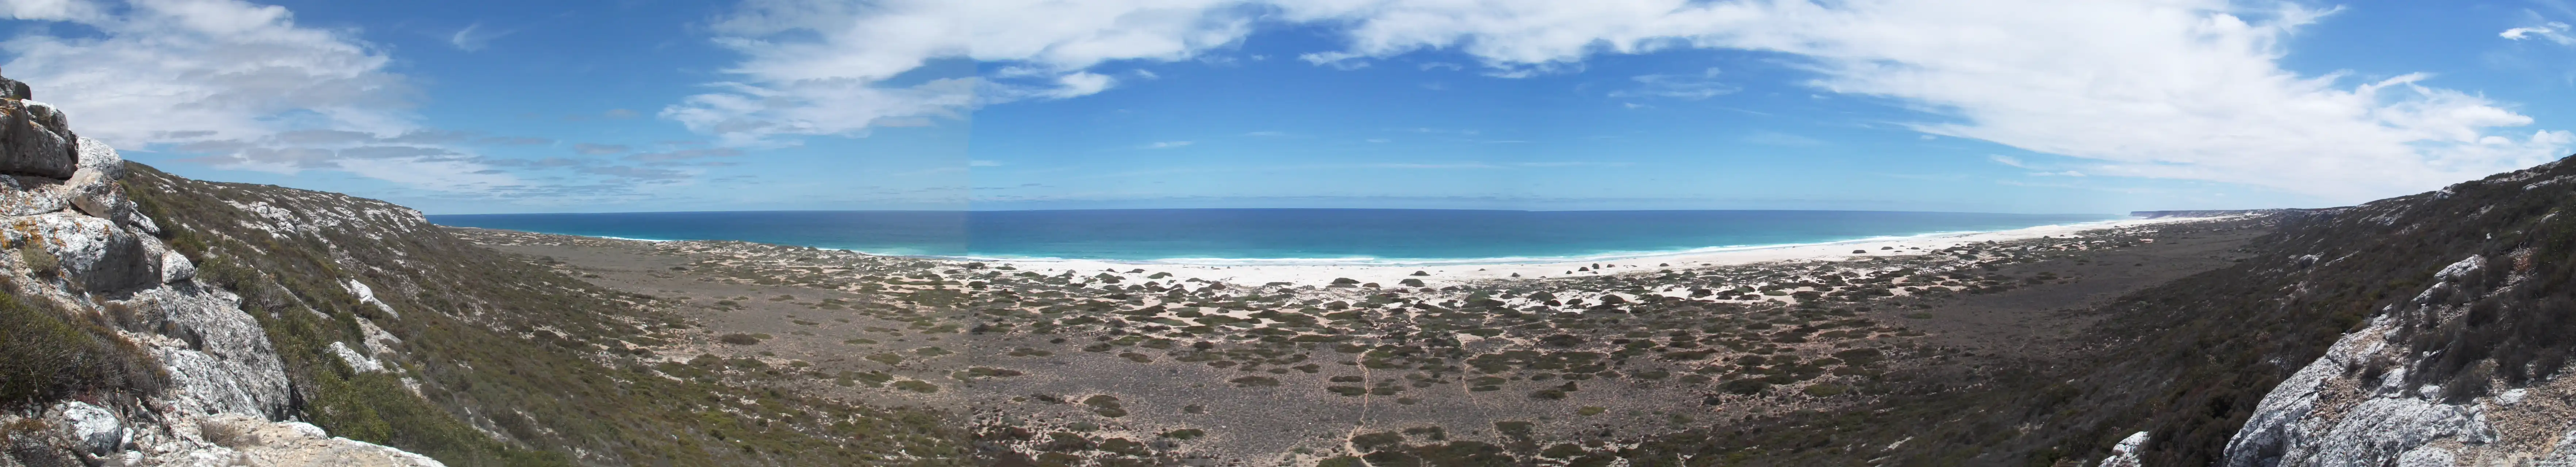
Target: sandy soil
1068	361
1307	272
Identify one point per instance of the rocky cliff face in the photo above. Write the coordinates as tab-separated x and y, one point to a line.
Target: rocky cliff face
2468	371
83	250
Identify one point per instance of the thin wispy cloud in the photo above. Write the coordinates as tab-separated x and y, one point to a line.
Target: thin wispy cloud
683	155
1774	138
1166	144
2552	31
514	141
1698	86
2181	89
241	86
1460	165
474	37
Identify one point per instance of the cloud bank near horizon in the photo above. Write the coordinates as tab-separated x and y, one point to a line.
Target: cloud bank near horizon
2175	89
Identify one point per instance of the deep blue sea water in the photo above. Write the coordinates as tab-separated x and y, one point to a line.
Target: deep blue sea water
1267	235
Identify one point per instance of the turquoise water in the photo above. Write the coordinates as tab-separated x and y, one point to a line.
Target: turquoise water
1268	235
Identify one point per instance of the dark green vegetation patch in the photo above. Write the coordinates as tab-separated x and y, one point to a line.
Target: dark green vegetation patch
465	312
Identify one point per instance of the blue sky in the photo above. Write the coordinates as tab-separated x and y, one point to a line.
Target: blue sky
1992	106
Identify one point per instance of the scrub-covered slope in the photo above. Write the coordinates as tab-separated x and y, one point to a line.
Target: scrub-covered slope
156	320
2448	315
397	332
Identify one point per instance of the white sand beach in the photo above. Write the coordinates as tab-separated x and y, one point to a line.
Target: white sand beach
1323	272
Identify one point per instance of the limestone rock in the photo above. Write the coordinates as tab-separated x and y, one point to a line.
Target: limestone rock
355	360
97	430
221	360
35	139
367	295
2328	414
2125	454
68	220
2563	455
239	440
260	442
92	187
92	250
97	157
15	89
176	267
2383	430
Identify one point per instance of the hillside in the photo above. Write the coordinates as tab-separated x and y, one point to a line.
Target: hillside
2448	313
1136	366
157	320
154	320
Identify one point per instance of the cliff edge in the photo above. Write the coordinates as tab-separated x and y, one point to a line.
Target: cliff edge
118	353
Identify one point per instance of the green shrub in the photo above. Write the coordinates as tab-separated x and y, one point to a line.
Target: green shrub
40	260
45	356
464	308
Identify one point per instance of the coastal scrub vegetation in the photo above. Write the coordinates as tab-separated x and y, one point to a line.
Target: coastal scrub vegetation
494	346
47	354
1505	370
1788	364
2188	361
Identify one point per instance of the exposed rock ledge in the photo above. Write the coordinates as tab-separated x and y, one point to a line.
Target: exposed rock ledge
78	242
2330	414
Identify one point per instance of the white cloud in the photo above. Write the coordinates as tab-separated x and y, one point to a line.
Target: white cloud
474	38
239	81
1774	138
2165	88
2188	89
2552	31
2007	160
1167	144
827	67
170	71
1702	85
599	149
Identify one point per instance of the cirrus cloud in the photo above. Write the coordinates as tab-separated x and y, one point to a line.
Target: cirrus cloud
2183	89
241	85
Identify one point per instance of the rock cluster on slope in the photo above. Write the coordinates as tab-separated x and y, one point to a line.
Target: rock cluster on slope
2419	385
79	244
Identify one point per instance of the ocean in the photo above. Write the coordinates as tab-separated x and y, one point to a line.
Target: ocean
1270	236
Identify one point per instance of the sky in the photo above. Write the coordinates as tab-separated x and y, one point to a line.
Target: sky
2037	106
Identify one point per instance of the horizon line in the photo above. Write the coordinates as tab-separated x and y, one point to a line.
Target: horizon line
2130	213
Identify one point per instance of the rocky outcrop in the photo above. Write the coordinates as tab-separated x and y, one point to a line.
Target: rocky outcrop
77	243
216	353
2125	454
92	428
35	138
2353	406
239	440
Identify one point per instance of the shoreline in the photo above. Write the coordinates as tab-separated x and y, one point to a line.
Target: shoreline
1266	370
1443	272
1471	271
